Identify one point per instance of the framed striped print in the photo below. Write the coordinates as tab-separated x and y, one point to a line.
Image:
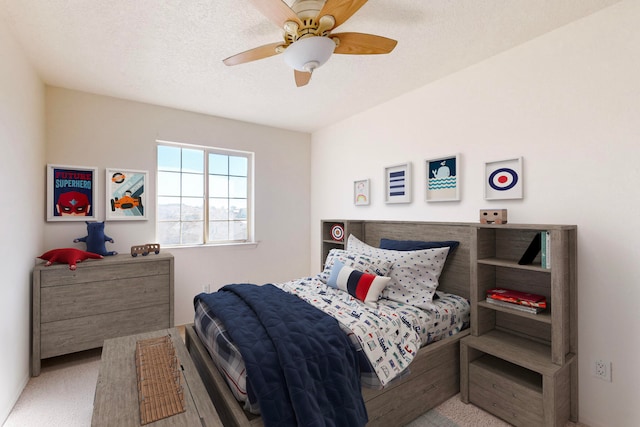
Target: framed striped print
398	183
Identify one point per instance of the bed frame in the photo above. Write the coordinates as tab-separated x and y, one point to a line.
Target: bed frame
435	371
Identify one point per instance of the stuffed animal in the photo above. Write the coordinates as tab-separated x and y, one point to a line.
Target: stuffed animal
95	239
70	256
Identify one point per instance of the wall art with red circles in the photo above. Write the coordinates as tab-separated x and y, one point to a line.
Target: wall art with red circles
503	179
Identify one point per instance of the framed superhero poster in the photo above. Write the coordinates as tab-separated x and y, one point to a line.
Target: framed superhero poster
71	192
126	196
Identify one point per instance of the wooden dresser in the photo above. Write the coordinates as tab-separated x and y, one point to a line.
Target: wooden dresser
106	298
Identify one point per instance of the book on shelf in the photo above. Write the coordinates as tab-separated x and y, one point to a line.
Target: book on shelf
517	298
545	249
518	307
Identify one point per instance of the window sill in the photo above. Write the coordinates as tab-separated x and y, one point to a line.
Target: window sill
250	245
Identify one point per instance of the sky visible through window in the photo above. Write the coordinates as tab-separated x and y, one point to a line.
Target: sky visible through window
194	208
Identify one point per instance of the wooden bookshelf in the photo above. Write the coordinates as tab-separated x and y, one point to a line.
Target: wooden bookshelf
520	345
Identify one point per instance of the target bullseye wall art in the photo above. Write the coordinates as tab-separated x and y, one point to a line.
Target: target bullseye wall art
503	179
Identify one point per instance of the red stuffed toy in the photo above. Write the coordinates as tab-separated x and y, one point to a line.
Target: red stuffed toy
69	256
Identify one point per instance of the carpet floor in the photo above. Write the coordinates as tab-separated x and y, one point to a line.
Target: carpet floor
62	396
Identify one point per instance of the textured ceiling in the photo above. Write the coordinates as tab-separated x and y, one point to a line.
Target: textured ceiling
170	52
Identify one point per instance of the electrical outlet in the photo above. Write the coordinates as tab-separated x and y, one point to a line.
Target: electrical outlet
602	369
206	288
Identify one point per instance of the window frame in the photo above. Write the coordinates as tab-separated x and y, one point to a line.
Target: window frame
250	214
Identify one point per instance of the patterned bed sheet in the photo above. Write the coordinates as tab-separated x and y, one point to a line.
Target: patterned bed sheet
373	331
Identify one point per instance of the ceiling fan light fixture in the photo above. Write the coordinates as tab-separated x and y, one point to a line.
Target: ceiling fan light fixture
309	53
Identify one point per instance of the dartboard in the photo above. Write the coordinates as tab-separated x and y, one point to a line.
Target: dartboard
503	179
337	232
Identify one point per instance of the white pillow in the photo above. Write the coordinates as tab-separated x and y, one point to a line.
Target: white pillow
366	264
414	274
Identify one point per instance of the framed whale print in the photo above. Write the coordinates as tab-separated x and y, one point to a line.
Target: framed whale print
443	179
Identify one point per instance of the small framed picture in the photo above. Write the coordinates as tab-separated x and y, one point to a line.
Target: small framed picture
126	197
443	179
71	193
503	179
361	192
397	181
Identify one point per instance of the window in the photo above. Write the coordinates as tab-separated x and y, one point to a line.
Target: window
204	195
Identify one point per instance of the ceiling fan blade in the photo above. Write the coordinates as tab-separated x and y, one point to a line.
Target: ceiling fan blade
254	54
341	10
363	44
302	77
277	11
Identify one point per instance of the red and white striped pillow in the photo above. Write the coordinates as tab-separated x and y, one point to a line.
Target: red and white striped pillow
363	286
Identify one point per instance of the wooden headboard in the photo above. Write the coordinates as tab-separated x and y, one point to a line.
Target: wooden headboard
456	275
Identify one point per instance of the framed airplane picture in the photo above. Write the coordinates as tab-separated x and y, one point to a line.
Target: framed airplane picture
126	196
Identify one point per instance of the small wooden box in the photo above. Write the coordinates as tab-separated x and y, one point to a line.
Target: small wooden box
493	216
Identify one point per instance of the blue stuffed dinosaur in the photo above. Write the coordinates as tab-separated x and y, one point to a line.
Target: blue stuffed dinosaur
96	239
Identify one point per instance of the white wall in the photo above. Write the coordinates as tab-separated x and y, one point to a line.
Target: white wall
569	103
90	130
21	219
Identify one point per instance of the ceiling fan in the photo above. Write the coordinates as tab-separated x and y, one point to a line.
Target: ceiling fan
308	42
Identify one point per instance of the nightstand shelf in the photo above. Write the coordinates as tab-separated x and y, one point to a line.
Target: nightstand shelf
518	350
512	264
544	316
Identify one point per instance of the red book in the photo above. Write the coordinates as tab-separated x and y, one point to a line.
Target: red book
516	297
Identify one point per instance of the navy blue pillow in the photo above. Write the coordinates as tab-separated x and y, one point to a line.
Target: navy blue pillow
416	245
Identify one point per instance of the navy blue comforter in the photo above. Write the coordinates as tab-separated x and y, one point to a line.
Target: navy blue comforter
300	365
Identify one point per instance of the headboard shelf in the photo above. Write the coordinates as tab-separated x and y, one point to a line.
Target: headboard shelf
456	275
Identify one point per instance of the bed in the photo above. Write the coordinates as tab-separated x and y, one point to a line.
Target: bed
434	371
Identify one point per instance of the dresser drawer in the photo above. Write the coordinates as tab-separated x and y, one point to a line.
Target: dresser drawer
83	333
85	299
117	267
507	391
